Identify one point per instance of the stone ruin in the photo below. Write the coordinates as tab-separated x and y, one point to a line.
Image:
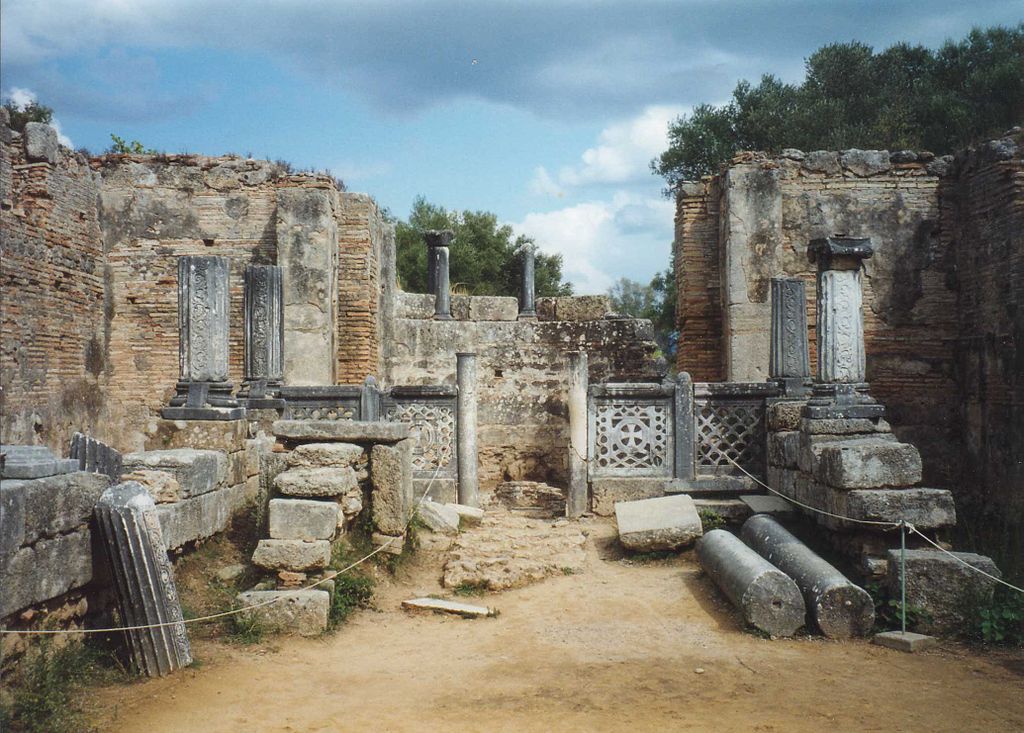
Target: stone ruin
307	383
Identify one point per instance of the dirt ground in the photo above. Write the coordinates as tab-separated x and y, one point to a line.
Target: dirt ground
621	646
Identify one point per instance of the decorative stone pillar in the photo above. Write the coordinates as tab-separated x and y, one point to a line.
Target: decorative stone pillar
369	400
683	407
577	500
528	287
203	392
144	579
789	362
469	486
840	380
264	337
437	243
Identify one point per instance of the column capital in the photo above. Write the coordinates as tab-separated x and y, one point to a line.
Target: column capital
839	252
438	237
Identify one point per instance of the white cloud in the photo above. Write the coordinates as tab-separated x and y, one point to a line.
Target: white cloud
543	184
22	98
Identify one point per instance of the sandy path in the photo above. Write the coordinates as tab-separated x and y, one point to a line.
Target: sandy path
615	648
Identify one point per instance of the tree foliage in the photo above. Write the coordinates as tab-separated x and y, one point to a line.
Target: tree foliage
655	301
484	257
120	146
21	115
905	97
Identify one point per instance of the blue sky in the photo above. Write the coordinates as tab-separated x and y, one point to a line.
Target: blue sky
546	113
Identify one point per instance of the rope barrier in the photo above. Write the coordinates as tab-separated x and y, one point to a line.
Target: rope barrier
233	612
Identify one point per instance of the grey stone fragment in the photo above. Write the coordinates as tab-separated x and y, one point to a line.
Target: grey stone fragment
784	449
12	518
441	605
768	504
161	485
295	555
197	471
391	544
45	570
438	517
41	142
868	463
840	609
468	515
391	477
848	426
941	166
944	587
902	156
316	481
302	519
664	523
301	612
784	415
319	455
768	598
905	642
792	154
532	495
201	516
60	504
924	508
492	308
865	162
144	578
351	431
811	446
822	161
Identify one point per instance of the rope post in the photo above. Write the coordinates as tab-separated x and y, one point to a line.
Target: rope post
903	577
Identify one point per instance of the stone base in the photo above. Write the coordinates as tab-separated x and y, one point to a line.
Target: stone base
217	394
905	642
202	413
302	612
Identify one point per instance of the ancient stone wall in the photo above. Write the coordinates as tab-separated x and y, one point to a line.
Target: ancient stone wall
52	354
522	370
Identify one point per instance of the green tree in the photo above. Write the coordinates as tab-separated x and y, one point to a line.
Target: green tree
484	257
655	301
31	112
905	97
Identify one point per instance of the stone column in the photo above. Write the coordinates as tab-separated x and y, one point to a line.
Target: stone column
264	333
469	486
431	269
437	242
577	500
528	287
683	458
144	579
789	363
203	304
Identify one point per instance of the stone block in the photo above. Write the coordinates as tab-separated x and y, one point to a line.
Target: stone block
731	510
227	436
664	523
784	415
351	431
532	495
161	485
237	468
316	481
391	544
60	504
468	515
199	517
768	504
822	161
905	642
573	308
493	308
302	519
295	555
812	445
320	455
440	518
12	518
949	591
197	471
605	493
865	163
783	449
301	612
442	490
391	499
441	605
844	426
924	508
419	306
41	142
868	463
47	569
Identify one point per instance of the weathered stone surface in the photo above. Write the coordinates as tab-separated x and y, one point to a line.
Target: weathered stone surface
12	517
201	516
812	445
784	449
41	142
840	609
203	309
865	162
438	517
414	305
468	515
849	426
493	308
605	493
784	415
161	485
295	555
905	642
57	504
768	504
924	508
351	431
442	605
197	471
768	599
664	523
942	586
391	476
392	544
731	510
302	519
319	455
219	435
822	161
34	461
531	496
316	481
868	463
301	612
47	569
573	308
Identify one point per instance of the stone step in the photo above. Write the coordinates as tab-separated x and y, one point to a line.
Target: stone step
302	519
196	471
295	555
319	455
316	481
440	605
663	523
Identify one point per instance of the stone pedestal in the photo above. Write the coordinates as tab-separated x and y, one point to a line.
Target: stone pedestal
528	286
577	500
437	262
469	485
789	362
144	578
264	337
203	391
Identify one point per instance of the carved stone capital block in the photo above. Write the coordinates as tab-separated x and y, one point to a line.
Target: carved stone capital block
264	324
203	318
